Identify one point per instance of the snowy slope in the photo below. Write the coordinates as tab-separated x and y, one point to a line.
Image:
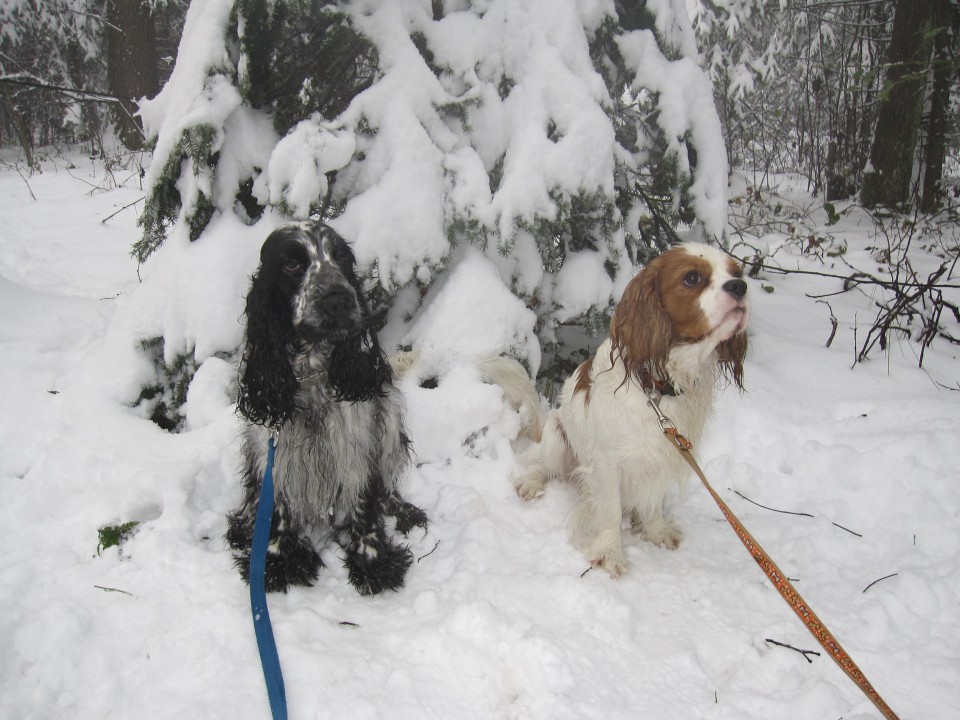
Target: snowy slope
497	619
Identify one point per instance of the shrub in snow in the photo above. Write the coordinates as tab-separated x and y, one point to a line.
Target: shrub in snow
562	139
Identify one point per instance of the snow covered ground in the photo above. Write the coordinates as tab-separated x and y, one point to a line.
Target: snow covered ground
497	619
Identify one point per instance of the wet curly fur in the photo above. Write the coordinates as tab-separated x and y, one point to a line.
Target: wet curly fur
313	369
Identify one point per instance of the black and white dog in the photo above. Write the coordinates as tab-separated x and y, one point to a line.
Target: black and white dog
312	369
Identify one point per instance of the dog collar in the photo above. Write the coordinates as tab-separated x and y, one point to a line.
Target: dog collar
648	381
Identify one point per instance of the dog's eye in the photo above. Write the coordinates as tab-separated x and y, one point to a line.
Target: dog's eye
292	267
692	279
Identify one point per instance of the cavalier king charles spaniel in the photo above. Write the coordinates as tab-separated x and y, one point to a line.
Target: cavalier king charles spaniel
313	372
679	327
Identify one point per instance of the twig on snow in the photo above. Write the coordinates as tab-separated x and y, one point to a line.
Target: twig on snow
791	512
785	512
885	577
110	589
833	323
805	653
29	189
429	553
104	221
847	529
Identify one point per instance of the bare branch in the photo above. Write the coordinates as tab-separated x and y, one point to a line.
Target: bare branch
805	653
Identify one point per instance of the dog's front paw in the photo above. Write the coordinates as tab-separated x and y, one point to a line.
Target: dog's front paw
613	561
291	559
292	562
660	532
530	485
375	567
295	563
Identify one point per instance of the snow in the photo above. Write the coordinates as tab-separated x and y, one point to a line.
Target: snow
195	96
497	618
471	316
214	276
300	162
686	97
581	284
423	153
498	123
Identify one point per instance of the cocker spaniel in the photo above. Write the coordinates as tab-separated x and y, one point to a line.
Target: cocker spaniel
679	327
313	371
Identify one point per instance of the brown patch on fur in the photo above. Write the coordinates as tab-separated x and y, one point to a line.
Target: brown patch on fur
734	268
681	301
732	353
584	382
658	310
571	455
640	330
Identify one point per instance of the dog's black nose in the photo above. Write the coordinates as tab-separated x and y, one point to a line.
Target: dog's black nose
737	288
338	302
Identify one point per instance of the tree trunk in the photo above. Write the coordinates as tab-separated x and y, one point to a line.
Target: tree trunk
938	126
132	63
887	181
20	128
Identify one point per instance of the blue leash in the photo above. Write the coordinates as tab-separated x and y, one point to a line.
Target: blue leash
269	658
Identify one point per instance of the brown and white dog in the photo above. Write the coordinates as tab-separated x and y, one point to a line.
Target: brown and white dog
679	327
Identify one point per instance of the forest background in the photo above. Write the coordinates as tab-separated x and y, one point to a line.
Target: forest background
857	98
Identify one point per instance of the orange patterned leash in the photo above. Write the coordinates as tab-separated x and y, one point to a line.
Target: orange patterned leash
769	567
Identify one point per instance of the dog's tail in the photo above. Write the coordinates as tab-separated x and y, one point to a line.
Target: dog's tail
518	390
402	361
503	371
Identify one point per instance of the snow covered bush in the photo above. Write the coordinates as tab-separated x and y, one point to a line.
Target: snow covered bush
564	140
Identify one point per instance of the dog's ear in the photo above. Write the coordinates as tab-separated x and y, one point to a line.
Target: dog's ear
267	382
732	353
359	369
640	330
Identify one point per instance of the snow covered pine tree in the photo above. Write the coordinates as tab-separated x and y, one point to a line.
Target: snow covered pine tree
562	140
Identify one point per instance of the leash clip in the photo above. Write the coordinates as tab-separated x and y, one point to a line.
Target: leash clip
666	424
677	438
